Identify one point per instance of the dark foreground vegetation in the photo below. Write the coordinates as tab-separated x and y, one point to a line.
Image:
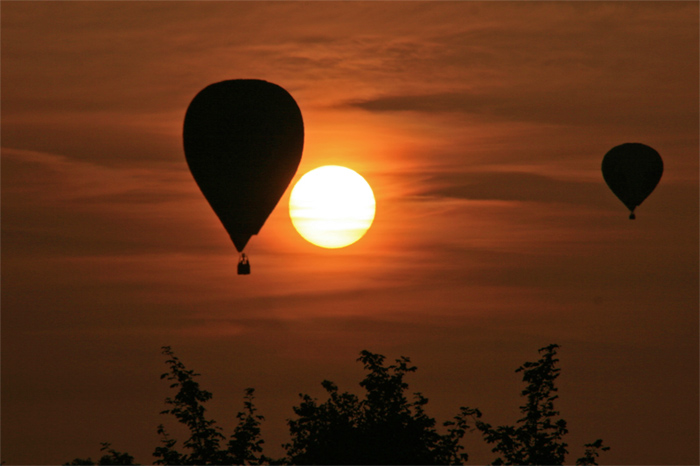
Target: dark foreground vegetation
384	427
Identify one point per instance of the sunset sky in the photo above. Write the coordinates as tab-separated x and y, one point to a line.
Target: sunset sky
480	126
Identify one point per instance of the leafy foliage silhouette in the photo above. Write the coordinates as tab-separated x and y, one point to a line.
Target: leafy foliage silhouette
538	437
382	428
204	443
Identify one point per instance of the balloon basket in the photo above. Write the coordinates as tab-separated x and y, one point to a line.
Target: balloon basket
243	265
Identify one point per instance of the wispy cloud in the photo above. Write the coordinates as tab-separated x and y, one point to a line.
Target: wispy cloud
53	204
515	186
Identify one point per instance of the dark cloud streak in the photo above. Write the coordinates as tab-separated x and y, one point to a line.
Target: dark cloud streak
596	108
513	186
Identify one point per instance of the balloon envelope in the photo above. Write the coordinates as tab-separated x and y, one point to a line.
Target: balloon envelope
632	171
243	142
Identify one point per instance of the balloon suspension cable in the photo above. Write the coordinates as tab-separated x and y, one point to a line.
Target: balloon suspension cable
243	265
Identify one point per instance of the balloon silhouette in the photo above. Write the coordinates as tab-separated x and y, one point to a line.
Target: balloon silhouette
243	141
632	171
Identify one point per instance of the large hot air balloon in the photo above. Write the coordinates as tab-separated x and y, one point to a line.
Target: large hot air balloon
243	142
632	171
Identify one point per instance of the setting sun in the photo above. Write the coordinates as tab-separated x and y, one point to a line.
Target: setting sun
332	206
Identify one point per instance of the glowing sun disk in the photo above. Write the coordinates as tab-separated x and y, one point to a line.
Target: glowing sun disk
332	206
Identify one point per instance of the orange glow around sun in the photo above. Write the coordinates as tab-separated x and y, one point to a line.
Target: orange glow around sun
332	206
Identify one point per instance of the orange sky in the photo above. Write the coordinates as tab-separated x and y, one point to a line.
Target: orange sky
480	126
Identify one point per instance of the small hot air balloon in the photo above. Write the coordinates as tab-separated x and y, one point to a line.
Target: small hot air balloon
243	141
632	171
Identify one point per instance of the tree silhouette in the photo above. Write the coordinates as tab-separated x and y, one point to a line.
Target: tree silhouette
204	443
538	437
384	427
